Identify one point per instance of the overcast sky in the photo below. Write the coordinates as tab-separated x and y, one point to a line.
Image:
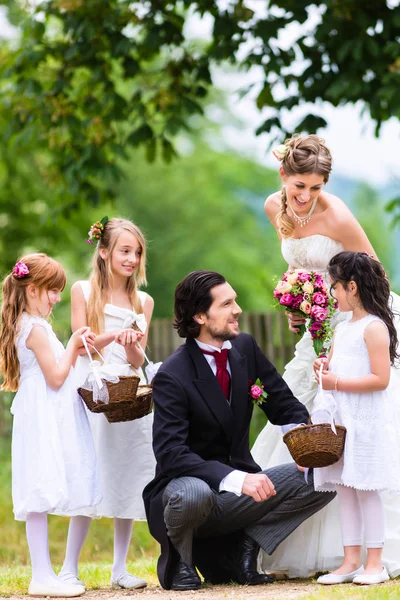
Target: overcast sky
356	151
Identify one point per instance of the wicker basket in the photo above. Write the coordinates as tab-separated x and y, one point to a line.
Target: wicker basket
127	400
315	446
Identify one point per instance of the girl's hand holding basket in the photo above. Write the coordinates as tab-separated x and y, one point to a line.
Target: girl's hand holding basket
322	360
128	337
328	380
77	342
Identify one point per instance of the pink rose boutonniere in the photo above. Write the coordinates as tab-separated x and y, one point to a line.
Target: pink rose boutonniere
257	394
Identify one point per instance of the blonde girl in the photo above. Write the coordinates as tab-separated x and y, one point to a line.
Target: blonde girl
111	304
53	460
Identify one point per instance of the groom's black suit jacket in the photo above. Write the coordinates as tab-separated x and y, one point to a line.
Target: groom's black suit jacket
196	433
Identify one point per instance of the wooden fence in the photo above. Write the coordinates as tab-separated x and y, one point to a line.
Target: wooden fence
269	329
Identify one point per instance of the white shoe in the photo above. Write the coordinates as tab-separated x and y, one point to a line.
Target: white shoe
128	582
332	578
71	579
61	590
372	578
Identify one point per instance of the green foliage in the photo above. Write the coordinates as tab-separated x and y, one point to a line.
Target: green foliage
204	211
393	207
195	218
369	210
91	79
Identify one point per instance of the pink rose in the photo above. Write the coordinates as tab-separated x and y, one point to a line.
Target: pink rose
286	300
319	298
255	391
304	277
20	270
297	300
318	313
319	283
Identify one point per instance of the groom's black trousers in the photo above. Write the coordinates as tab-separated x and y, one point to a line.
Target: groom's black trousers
193	509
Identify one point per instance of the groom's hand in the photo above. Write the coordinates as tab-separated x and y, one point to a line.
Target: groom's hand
258	486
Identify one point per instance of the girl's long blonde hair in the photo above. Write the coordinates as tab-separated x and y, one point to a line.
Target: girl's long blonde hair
304	155
101	279
46	274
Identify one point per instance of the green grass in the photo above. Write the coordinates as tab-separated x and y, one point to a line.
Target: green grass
14	579
387	591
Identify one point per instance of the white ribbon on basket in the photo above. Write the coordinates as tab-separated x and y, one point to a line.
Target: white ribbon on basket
94	381
151	368
324	405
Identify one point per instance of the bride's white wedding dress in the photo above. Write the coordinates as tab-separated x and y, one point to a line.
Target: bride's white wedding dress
317	545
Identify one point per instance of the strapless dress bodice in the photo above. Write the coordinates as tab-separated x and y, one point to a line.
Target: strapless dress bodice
311	253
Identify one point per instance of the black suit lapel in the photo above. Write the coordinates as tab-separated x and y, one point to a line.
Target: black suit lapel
210	390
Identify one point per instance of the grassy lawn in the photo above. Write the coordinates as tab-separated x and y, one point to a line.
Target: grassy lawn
14	579
389	591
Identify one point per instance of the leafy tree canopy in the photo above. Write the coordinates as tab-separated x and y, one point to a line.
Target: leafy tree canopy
91	78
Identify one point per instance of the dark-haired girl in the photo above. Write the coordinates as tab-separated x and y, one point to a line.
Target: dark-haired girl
357	372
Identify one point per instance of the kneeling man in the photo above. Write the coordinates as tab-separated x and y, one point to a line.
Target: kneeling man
209	505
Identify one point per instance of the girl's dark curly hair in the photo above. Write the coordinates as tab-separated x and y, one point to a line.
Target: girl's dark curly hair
193	296
373	288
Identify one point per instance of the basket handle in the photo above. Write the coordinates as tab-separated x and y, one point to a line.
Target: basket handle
321	368
332	422
88	351
143	352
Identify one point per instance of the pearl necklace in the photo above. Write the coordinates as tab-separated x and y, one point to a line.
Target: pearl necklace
304	220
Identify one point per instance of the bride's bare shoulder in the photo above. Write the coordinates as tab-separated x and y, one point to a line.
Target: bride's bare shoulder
272	206
337	209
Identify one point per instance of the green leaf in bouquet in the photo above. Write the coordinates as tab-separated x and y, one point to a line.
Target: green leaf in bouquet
302	329
318	345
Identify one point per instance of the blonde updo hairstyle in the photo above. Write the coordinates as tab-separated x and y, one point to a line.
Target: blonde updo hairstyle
101	279
46	274
304	155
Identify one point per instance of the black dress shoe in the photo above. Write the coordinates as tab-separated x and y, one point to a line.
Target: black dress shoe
185	578
247	573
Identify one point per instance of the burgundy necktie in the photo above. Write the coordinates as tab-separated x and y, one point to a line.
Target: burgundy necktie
223	376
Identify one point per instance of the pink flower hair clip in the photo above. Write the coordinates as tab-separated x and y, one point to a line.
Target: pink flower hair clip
20	270
96	231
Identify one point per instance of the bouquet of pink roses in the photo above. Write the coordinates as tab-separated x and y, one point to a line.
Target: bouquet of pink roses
306	294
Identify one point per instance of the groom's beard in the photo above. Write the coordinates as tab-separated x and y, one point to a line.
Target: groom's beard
222	335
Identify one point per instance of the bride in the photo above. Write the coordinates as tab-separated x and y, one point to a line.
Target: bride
313	226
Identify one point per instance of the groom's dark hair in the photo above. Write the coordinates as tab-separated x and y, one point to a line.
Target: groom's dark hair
193	296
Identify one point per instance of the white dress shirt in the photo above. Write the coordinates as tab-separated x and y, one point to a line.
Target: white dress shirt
233	482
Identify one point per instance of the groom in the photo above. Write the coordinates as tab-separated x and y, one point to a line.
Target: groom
209	504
